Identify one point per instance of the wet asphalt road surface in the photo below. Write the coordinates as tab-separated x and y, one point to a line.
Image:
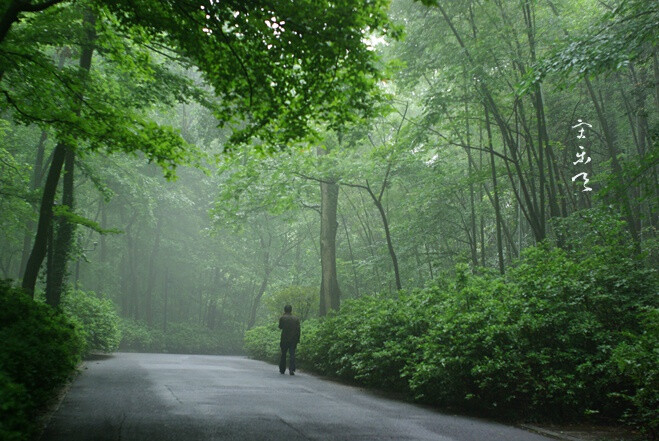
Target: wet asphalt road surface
143	397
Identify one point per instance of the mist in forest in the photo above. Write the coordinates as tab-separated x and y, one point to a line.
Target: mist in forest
413	162
463	160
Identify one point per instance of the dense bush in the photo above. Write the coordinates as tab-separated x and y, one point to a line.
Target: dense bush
40	348
262	342
15	409
638	359
568	333
136	336
98	319
181	338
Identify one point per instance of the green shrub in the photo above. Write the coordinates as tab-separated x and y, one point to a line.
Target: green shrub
308	339
459	362
98	318
638	359
182	338
262	342
15	410
538	344
371	340
40	348
136	336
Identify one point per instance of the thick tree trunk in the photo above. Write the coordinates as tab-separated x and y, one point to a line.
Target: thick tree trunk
257	300
330	294
45	219
37	178
62	244
65	231
61	152
267	269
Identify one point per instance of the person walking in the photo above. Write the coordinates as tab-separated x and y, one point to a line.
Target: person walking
290	337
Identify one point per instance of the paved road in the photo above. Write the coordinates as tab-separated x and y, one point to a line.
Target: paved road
194	397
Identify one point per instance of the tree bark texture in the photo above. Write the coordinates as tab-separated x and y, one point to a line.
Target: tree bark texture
330	293
62	243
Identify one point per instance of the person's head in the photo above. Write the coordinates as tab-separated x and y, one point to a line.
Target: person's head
288	309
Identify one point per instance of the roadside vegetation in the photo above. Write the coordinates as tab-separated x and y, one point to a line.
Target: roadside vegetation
41	348
568	334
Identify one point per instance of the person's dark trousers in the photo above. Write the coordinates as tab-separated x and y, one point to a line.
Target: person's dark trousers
290	348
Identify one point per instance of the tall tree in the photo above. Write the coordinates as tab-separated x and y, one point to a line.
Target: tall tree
330	293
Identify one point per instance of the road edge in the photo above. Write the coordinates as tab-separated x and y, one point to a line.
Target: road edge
557	435
55	402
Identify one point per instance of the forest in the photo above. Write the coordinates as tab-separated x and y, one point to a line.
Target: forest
458	197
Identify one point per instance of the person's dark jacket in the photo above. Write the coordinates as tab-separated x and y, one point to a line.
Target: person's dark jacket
290	329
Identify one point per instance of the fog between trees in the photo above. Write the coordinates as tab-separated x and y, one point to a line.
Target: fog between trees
464	159
313	152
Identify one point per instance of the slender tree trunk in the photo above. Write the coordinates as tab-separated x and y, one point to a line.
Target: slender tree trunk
472	205
519	231
655	70
480	197
35	183
133	284
103	251
367	234
543	138
352	257
495	186
530	211
419	266
166	300
432	276
390	246
609	141
148	295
